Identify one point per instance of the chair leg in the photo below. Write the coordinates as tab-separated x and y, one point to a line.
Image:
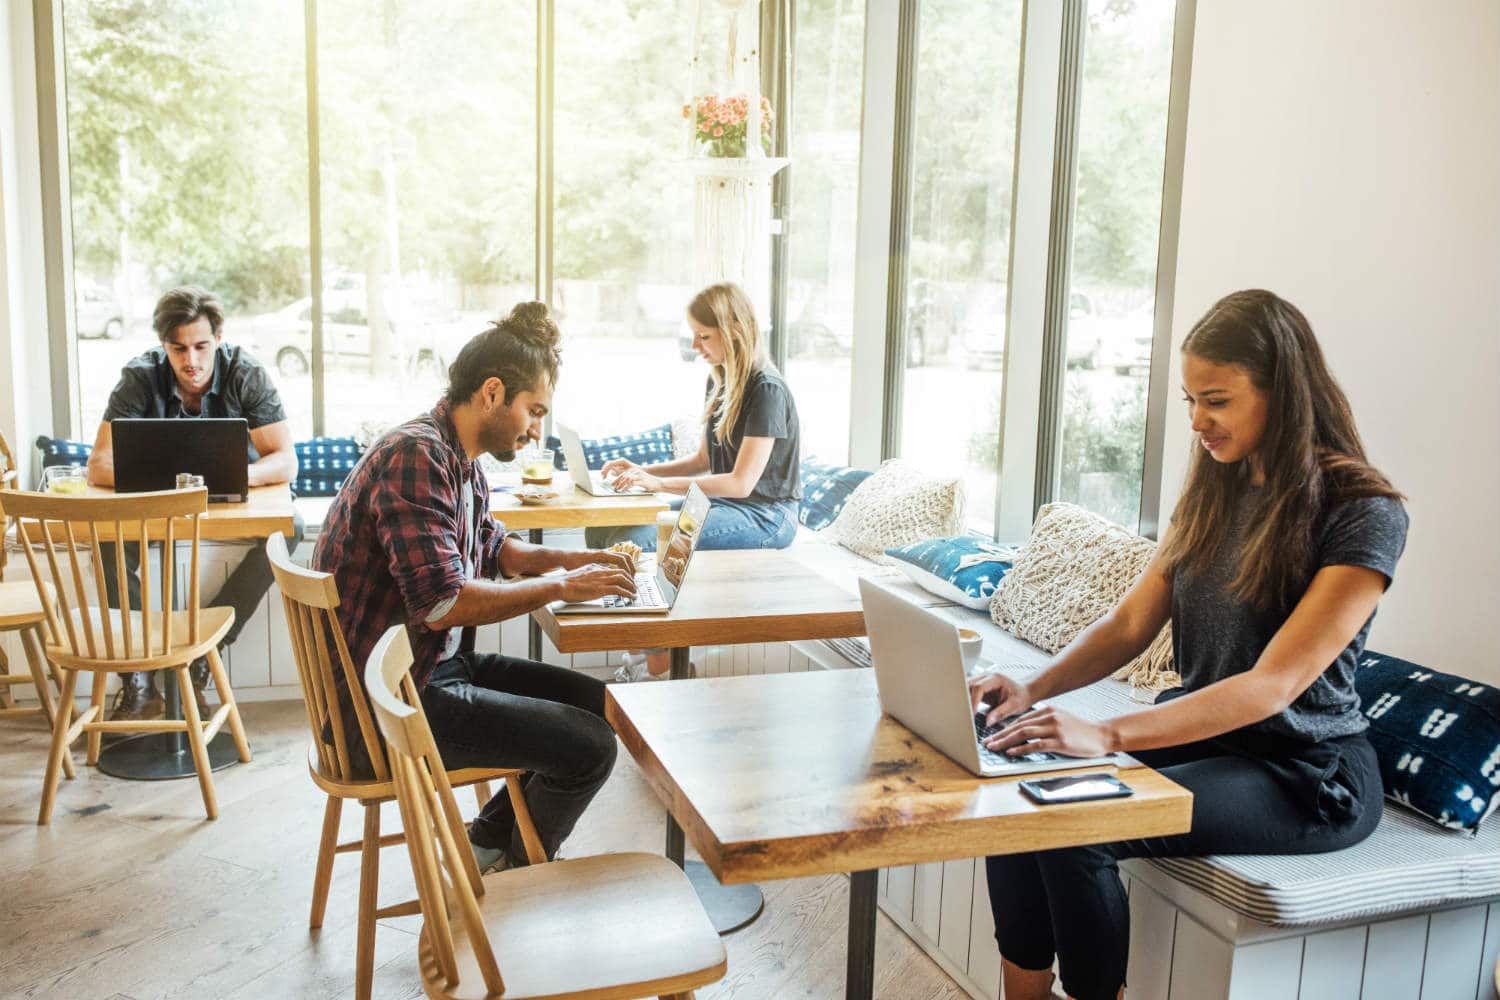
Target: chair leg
482	793
221	682
369	890
7	700
323	873
96	699
31	645
64	719
196	742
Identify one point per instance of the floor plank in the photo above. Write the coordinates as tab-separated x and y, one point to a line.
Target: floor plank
131	894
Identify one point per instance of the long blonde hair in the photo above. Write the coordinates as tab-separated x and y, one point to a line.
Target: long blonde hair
727	308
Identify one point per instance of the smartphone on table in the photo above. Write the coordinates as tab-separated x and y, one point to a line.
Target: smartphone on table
1074	788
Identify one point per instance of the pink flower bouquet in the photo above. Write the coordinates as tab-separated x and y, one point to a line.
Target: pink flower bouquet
720	124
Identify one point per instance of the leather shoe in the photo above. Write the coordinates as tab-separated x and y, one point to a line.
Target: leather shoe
198	670
137	703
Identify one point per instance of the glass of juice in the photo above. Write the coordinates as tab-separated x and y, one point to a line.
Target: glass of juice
68	480
536	465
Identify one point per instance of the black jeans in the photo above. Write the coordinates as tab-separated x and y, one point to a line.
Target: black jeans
243	591
488	710
1250	796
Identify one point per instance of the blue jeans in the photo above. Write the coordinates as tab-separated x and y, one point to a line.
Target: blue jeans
731	524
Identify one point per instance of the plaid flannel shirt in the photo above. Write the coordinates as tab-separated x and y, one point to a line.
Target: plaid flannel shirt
396	539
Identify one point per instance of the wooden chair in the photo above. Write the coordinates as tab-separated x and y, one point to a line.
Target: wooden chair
311	600
104	640
610	927
21	612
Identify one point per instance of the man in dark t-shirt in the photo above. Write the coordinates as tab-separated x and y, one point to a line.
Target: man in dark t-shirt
193	373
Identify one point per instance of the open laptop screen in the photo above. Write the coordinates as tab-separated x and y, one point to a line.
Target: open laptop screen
672	562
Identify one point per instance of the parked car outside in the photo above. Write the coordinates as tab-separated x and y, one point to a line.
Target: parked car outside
284	337
982	330
97	313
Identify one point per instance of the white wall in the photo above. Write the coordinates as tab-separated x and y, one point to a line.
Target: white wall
1347	156
25	395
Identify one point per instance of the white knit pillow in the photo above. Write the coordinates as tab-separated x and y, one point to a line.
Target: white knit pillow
898	505
687	435
1074	568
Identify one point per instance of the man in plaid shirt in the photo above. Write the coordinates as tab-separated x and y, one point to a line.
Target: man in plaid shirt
410	541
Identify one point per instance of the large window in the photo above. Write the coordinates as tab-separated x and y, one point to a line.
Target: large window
968	69
824	184
623	216
1121	149
428	172
188	152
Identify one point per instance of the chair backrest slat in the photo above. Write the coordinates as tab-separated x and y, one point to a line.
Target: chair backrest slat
322	654
84	522
102	593
194	601
168	569
433	824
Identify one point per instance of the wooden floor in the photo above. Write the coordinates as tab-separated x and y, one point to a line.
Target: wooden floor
131	894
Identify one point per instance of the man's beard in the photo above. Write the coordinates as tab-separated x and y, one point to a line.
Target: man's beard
504	456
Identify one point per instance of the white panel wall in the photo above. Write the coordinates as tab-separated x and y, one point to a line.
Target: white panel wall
1347	156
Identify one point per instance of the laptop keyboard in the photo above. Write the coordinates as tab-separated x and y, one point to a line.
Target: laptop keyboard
646	595
983	732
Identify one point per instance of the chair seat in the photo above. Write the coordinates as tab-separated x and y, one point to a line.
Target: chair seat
373	789
212	624
614	925
19	604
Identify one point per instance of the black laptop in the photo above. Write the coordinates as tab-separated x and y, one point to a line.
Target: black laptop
150	452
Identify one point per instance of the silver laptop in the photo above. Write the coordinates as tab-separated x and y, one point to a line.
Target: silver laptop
655	592
578	468
919	670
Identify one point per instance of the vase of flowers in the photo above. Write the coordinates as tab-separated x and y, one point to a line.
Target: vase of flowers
719	124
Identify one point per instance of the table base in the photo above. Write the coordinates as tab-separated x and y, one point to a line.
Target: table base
729	907
157	757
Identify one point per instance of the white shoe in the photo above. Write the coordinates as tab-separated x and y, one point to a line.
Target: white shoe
489	859
633	668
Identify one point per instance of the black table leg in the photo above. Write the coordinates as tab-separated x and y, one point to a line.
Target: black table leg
533	630
162	756
729	907
859	981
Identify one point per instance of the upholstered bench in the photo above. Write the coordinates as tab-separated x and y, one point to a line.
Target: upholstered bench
1413	911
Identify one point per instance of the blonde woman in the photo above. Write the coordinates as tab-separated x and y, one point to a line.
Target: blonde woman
748	461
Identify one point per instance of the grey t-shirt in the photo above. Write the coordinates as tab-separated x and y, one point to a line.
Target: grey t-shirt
1215	636
770	412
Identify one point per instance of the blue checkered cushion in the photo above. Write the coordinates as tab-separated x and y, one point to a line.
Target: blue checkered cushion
643	448
1437	736
323	464
963	569
825	490
61	451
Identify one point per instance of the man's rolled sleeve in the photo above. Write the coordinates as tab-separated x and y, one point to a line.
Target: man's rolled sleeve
417	510
259	401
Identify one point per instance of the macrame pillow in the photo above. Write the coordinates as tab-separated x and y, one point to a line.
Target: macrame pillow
687	435
898	506
1074	568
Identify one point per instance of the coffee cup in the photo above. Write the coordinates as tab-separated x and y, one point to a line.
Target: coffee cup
970	642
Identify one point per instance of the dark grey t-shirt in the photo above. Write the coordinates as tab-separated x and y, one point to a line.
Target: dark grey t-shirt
770	412
1214	636
241	388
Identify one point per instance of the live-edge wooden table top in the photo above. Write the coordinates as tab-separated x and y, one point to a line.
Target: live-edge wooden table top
733	597
790	775
574	508
268	510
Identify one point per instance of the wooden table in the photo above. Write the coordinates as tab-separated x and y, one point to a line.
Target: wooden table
744	596
793	775
572	509
157	756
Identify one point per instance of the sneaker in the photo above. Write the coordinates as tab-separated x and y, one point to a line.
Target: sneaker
490	859
137	704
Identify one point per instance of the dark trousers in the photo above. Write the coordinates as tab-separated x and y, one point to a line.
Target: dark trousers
1247	799
243	591
488	710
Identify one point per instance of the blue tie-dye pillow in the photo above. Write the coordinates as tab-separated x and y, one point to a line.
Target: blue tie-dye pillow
963	569
323	464
825	490
643	448
1437	737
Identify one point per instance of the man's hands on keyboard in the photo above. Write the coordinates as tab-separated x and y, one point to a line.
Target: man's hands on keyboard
595	580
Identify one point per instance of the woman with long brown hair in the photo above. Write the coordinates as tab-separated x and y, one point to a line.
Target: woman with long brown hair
1281	545
748	462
